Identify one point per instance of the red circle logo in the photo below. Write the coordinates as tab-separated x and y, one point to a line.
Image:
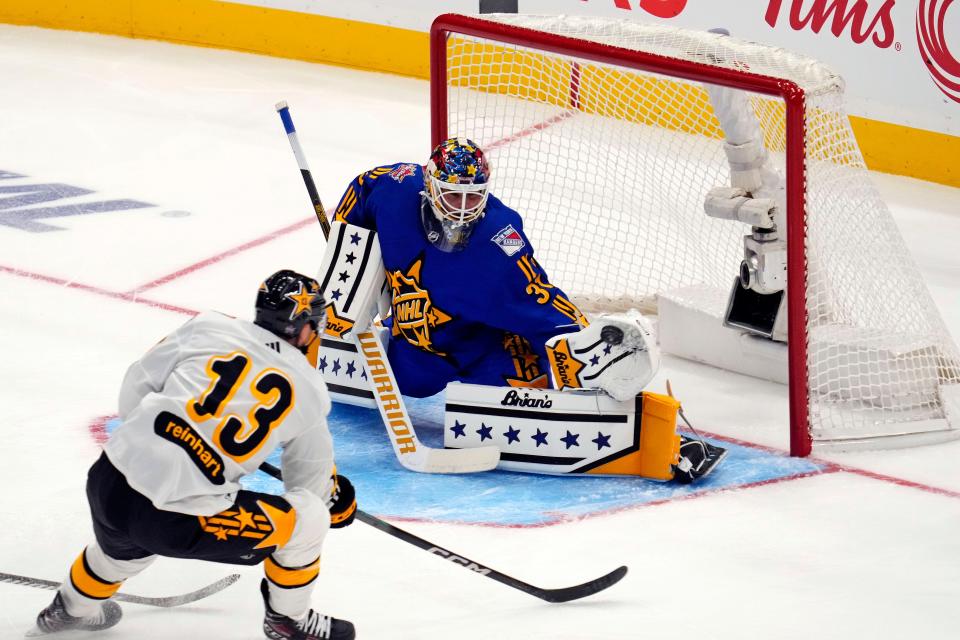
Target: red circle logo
663	8
943	67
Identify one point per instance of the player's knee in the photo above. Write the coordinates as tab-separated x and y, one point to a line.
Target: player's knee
309	531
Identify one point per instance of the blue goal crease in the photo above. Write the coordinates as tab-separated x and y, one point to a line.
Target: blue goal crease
504	498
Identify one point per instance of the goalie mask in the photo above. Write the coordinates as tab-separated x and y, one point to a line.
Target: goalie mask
286	301
456	181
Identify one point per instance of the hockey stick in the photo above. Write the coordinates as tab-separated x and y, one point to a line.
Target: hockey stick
563	594
167	601
410	452
284	112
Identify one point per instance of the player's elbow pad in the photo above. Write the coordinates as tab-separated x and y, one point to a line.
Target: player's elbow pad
342	503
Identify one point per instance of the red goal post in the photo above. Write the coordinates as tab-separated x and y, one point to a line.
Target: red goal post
487	38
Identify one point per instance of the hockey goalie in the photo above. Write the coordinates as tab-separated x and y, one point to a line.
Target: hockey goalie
468	309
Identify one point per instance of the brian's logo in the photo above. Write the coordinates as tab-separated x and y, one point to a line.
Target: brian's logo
944	68
414	314
514	399
839	14
566	368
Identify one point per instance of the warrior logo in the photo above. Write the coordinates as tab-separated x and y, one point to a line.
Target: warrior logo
414	314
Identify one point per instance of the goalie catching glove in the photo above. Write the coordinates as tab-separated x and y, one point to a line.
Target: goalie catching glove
342	503
616	353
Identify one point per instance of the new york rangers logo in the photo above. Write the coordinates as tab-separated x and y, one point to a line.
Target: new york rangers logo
403	171
509	239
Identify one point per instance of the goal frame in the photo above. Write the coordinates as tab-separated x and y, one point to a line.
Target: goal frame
793	97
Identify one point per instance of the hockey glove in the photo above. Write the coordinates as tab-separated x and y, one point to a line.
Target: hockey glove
342	503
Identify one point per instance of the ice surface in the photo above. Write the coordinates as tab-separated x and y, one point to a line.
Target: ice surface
865	549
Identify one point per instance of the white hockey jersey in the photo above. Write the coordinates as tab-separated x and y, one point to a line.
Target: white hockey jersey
208	404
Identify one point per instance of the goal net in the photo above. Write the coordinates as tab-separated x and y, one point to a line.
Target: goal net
608	135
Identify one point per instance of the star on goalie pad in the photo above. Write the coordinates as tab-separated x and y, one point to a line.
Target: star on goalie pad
337	326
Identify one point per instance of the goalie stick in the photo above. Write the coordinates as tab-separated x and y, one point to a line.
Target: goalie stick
563	594
284	112
410	452
166	601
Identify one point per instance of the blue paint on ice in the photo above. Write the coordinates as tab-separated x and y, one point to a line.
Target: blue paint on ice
500	497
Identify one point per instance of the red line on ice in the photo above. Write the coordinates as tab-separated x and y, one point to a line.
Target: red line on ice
834	466
531	130
564	519
222	256
126	297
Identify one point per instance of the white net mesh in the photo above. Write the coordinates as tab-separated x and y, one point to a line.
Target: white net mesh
610	166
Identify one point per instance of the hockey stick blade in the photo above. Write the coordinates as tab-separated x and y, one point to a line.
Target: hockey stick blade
165	601
564	594
430	460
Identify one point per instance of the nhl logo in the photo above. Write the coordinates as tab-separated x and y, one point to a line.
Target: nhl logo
509	239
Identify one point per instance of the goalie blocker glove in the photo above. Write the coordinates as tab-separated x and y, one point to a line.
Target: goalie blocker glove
342	503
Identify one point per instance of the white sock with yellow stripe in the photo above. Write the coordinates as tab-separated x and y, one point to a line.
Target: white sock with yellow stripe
95	577
290	587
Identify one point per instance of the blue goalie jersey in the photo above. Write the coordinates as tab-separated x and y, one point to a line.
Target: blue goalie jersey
478	315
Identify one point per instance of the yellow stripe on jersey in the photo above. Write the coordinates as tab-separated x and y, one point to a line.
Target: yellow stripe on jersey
538	286
88	583
346	205
570	310
291	578
373	174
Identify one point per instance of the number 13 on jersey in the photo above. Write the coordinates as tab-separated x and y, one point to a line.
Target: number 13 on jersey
270	400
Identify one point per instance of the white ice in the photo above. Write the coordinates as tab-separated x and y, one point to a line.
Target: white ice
193	131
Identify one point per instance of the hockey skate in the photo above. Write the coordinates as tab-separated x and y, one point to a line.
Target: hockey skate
313	626
55	618
698	459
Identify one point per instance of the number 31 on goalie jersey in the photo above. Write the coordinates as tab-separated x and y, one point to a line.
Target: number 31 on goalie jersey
271	389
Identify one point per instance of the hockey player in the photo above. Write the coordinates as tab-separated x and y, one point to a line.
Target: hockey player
470	302
202	409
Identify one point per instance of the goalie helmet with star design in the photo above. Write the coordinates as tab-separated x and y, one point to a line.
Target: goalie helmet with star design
456	183
286	301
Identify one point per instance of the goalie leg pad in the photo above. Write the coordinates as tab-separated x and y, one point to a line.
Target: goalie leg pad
616	353
352	279
659	442
565	432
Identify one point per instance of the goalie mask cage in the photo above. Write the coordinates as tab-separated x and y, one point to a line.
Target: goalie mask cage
605	135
